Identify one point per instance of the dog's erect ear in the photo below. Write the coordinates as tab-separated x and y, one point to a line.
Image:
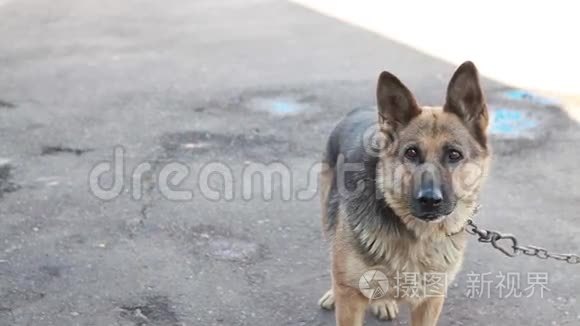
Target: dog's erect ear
397	106
465	99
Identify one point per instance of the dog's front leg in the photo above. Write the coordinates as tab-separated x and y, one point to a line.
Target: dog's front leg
427	312
350	306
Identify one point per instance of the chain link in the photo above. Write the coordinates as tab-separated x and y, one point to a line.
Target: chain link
508	244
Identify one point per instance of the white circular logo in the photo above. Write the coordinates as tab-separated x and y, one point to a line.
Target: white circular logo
373	284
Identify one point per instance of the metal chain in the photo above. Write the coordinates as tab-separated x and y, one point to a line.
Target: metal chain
508	244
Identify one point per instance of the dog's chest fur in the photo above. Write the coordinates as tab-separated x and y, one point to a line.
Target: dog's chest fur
406	253
383	243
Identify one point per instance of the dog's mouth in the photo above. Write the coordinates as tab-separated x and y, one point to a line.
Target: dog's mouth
432	216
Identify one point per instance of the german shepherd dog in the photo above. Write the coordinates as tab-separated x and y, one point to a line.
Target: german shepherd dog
397	189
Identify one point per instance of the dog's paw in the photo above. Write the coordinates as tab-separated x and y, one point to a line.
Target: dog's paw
385	310
327	300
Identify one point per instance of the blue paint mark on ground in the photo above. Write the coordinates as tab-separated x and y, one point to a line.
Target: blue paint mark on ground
279	106
521	95
510	122
284	107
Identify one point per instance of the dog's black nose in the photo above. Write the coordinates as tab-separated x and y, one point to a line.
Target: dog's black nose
429	198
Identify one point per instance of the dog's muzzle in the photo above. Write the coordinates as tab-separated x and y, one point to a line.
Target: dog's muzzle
430	200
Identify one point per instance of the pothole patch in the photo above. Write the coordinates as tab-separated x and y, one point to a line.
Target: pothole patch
191	144
55	150
152	310
7	185
223	245
517	114
7	105
521	120
14	298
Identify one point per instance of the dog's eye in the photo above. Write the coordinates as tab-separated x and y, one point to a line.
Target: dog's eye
454	156
412	153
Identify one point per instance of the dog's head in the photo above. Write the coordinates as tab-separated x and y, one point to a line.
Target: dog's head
434	160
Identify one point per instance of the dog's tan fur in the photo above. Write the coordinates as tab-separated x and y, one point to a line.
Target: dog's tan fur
421	247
